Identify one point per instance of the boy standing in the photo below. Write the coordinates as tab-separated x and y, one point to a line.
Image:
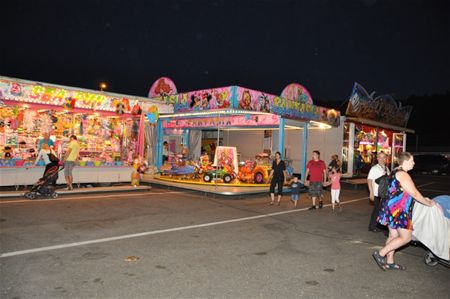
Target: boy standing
295	190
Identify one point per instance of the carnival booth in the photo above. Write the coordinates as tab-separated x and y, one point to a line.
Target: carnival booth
107	126
372	125
212	127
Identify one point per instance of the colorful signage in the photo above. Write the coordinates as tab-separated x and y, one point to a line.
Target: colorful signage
252	120
258	101
252	100
296	92
382	108
208	99
162	87
66	98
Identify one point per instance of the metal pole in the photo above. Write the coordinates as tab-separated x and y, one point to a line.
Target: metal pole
281	136
304	151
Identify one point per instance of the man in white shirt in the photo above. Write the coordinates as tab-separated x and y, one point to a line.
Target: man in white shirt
375	172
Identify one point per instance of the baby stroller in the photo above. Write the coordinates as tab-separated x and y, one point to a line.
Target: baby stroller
43	186
432	230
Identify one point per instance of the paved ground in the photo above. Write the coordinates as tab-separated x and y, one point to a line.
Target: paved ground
188	245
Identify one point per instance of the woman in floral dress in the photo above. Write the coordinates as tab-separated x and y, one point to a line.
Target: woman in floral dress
396	212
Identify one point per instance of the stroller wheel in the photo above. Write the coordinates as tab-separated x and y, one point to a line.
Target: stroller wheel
430	259
54	195
30	195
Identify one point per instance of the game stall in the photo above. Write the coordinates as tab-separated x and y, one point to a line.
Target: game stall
228	136
372	125
107	126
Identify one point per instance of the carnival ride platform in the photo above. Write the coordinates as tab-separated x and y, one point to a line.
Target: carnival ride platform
208	188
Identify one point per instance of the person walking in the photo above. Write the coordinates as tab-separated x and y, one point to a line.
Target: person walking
335	177
295	190
396	212
375	172
70	157
277	178
315	178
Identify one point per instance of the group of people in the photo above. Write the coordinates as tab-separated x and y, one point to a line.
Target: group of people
393	212
48	155
317	176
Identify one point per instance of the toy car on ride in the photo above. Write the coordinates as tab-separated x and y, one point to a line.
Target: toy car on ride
255	171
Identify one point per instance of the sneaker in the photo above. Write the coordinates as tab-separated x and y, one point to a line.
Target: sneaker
312	208
320	204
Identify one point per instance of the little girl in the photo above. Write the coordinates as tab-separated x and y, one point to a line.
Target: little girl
335	177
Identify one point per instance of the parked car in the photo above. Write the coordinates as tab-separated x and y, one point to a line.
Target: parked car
431	163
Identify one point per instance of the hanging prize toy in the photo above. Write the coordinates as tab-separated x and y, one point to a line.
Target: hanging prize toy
135	175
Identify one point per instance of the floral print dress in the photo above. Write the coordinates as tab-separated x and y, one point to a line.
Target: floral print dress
396	210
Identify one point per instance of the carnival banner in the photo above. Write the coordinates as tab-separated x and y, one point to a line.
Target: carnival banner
382	108
66	98
224	121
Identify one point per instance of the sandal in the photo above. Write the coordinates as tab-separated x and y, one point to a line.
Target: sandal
393	266
381	261
279	202
271	203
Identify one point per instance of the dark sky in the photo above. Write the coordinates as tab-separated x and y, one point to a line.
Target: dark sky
390	46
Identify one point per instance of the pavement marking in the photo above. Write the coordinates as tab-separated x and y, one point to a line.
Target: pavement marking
435	190
161	231
420	186
87	197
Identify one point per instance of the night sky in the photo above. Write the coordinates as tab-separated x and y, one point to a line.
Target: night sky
396	47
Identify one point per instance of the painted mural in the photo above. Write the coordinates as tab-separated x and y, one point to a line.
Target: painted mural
296	92
216	98
162	87
247	99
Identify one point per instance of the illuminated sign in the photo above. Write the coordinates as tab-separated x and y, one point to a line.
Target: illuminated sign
67	98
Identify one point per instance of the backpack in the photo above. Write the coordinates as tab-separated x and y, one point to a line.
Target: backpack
53	158
383	186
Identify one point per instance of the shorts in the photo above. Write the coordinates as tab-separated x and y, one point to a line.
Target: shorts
315	189
294	197
68	167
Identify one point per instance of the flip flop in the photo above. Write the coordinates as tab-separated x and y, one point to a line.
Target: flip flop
394	266
381	262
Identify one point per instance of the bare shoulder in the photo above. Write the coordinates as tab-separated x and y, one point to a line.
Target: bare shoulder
402	176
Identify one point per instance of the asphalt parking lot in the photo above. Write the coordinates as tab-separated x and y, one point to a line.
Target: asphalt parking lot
178	244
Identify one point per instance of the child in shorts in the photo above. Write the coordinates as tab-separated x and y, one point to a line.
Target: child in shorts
295	190
335	177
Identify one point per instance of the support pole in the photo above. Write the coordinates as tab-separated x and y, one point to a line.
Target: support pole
281	136
304	151
159	143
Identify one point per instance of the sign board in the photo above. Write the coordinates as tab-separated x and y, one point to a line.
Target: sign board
382	108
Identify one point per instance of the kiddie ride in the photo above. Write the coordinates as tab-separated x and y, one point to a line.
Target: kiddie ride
181	169
223	172
255	171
